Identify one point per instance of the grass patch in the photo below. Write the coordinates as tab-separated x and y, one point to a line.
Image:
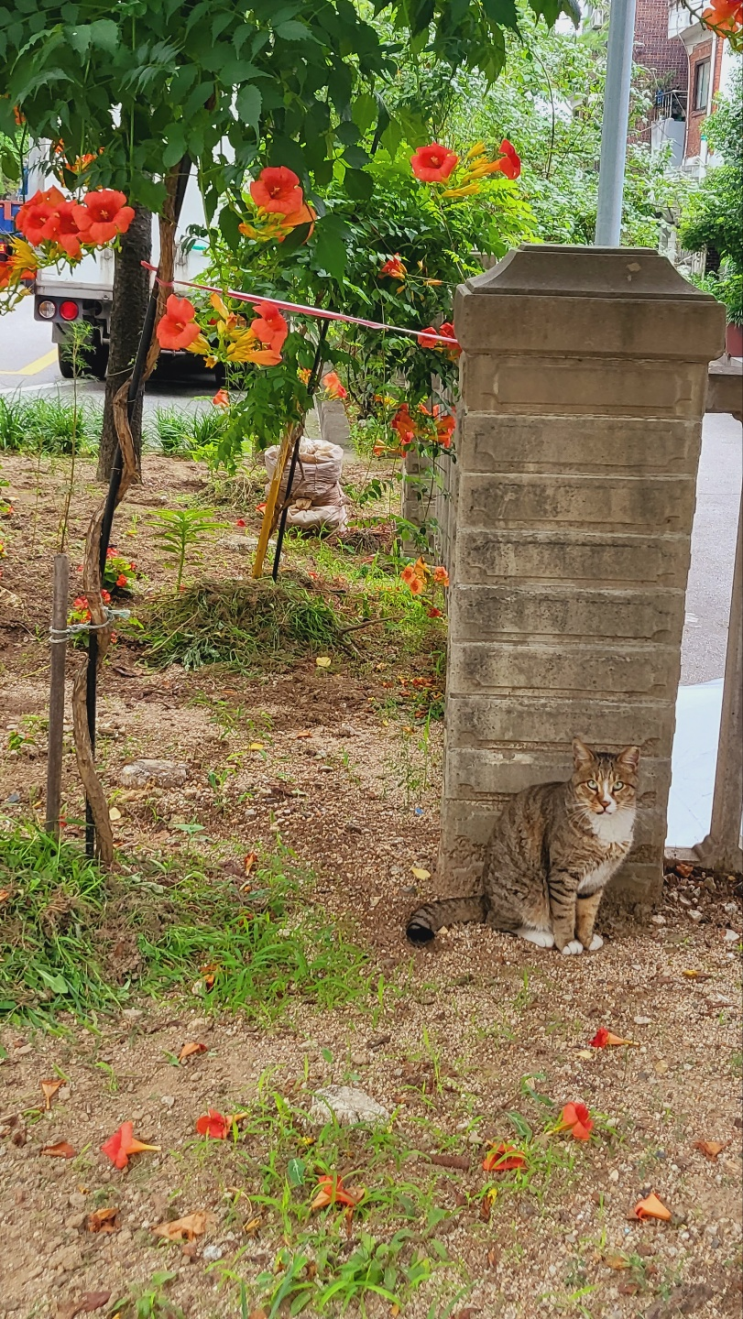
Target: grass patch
248	625
75	939
395	1247
327	601
181	434
48	425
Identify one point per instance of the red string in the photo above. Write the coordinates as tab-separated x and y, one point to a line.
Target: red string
260	298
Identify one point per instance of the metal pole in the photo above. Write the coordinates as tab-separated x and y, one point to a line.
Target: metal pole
615	122
56	692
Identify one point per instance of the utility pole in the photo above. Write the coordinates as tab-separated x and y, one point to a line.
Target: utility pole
615	122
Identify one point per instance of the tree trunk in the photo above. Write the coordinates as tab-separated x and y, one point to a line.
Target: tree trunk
130	297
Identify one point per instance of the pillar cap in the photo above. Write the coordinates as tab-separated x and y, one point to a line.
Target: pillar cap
557	270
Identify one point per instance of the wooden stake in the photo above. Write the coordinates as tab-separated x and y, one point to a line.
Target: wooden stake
56	692
287	445
721	849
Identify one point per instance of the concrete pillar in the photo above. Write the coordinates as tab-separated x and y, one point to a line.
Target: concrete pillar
417	497
334	425
583	383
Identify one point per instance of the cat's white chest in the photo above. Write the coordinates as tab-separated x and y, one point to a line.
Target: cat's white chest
617	828
597	878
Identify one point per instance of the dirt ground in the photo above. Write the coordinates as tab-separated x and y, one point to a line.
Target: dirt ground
476	1029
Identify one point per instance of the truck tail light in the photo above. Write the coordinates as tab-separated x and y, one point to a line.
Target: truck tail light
68	310
46	309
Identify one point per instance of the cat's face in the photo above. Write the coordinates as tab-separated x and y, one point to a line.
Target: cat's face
605	784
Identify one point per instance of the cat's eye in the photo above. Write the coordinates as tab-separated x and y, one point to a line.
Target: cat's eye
593	785
618	787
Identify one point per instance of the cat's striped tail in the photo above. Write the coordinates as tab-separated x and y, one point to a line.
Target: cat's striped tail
423	924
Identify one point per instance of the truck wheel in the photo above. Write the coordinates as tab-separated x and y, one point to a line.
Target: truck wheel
95	365
65	367
98	360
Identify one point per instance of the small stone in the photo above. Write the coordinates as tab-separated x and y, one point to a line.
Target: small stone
212	1253
165	773
658	920
12	799
75	1220
238	545
167	1100
348	1105
360	1059
642	1021
614	1175
731	936
696	915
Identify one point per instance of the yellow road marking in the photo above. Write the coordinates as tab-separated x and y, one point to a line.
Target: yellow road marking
33	368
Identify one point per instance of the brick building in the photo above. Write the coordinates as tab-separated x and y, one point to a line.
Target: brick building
686	65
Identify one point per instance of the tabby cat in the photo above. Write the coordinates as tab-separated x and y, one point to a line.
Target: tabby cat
551	854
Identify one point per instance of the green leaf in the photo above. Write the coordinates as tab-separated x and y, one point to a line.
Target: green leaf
229	222
248	104
323	173
80	38
55	982
175	147
294	31
295	1170
365	111
502	12
348	133
358	185
356	157
104	34
150	194
330	251
10	165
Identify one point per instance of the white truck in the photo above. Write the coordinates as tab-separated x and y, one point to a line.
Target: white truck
85	292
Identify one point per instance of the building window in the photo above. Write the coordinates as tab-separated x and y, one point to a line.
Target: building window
701	84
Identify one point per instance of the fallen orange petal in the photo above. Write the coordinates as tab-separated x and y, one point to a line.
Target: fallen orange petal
711	1148
182	1229
50	1089
103	1220
652	1207
249	861
332	1191
137	1146
503	1159
189	1049
62	1150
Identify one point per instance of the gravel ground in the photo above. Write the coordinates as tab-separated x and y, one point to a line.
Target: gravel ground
470	1032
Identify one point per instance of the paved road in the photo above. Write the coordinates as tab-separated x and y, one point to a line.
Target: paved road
29	363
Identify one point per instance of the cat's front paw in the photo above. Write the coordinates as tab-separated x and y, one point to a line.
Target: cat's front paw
573	948
596	943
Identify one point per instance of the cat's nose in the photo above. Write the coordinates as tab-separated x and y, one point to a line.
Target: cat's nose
605	804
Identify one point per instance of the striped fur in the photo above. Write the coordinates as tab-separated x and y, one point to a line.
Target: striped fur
553	850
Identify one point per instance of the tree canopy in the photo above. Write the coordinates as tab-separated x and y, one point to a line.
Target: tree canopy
131	89
713	216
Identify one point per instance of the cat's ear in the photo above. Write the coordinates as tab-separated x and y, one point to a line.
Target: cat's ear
629	756
582	755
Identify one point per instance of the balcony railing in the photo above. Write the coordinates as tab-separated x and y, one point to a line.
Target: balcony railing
669	104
